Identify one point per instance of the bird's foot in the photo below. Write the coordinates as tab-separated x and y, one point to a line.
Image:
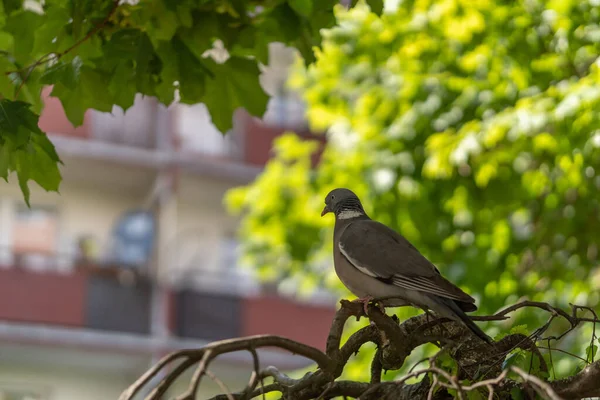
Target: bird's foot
365	302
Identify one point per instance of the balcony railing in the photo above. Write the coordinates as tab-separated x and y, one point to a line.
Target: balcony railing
97	297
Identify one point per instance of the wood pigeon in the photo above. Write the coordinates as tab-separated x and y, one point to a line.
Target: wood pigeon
376	263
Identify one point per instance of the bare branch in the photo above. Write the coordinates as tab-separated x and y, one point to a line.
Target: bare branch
541	387
190	394
221	384
395	341
584	384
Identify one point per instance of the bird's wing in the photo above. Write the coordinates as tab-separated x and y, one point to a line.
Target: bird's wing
382	253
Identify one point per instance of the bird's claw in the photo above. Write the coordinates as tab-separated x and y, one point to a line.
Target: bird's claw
365	302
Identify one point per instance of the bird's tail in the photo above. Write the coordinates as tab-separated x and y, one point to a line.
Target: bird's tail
448	308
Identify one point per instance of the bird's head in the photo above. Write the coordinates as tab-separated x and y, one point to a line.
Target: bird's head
340	200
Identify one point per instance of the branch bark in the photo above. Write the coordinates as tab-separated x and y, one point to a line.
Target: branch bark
477	361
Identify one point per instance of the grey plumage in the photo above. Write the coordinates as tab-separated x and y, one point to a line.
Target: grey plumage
375	262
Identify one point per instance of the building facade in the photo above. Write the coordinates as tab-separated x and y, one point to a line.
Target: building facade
137	256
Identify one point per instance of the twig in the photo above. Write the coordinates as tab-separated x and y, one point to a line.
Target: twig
279	376
551	361
168	379
228	346
221	384
539	386
197	377
395	341
255	376
145	378
562	351
434	385
576	307
60	54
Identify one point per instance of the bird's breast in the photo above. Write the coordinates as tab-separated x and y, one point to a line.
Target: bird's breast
350	276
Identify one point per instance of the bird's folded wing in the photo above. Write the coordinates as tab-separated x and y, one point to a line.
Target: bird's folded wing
382	253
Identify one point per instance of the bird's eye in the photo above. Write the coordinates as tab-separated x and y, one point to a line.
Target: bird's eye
332	197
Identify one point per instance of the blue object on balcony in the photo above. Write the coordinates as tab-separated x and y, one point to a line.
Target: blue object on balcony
133	239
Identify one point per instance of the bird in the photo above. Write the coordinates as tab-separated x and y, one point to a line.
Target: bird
377	263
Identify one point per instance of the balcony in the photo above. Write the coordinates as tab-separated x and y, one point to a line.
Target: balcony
83	298
106	298
152	135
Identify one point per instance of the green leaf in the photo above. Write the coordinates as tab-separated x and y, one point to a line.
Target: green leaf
146	66
235	84
122	86
47	34
302	7
6	39
376	6
11	5
22	168
7	87
15	115
21	25
44	170
90	92
192	73
5	155
159	22
66	73
475	395
78	14
25	149
88	50
284	22
516	359
447	363
517	394
207	27
590	352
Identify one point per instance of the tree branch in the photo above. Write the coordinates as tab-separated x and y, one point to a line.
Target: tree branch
395	341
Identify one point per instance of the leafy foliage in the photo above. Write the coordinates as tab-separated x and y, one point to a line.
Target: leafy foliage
470	127
25	149
100	53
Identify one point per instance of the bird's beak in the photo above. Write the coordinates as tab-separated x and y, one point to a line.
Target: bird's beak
325	211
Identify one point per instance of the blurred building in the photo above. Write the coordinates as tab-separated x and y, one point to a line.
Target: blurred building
137	256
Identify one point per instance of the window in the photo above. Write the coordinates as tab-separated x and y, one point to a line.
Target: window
35	236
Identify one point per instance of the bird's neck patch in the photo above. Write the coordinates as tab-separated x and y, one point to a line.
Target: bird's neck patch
348	214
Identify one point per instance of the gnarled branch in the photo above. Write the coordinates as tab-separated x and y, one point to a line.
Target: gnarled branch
477	361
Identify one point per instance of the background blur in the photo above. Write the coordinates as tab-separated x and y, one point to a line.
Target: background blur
137	256
470	127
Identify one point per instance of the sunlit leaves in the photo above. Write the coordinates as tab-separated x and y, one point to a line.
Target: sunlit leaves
102	53
234	84
590	352
470	127
25	149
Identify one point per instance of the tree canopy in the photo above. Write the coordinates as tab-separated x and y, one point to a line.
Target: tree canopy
471	127
100	53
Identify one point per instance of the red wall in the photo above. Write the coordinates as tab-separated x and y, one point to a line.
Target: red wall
49	298
273	315
54	120
259	137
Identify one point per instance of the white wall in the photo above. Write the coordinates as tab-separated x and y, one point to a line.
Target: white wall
198	236
200	252
82	211
64	384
